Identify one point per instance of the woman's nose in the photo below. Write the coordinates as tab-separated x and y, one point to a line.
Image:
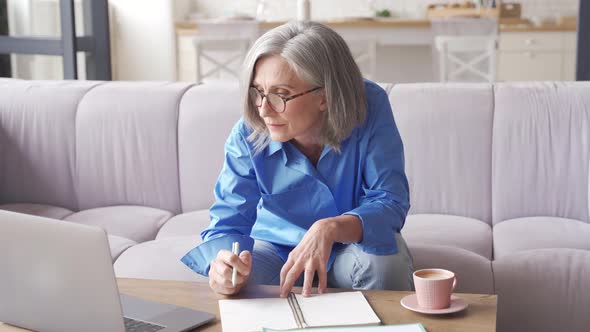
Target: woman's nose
265	109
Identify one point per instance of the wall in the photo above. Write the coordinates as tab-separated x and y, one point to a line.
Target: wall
549	8
144	46
143	43
144	39
278	10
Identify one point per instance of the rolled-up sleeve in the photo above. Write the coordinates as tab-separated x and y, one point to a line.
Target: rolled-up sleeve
384	203
234	212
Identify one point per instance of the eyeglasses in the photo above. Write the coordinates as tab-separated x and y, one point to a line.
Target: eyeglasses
276	102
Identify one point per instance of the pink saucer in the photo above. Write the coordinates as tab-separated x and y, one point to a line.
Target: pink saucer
410	302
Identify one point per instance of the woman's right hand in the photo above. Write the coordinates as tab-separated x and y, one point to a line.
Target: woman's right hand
220	272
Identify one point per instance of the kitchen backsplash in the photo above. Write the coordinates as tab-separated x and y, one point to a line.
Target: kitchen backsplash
549	8
277	10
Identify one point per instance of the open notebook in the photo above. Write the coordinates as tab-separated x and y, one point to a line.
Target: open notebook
416	327
296	311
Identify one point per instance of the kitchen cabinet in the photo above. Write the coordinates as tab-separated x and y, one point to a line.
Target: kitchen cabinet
536	56
403	50
375	44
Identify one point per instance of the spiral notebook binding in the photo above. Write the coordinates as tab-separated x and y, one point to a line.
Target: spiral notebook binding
296	309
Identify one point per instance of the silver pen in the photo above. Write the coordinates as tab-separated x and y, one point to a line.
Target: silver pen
235	248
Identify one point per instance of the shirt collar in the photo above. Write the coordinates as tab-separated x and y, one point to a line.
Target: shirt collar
273	147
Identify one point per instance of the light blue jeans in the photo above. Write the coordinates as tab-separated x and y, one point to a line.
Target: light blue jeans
352	268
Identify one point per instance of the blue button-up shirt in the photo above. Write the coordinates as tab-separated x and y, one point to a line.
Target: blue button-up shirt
277	194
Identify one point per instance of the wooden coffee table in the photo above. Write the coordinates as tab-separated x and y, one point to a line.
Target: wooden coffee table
480	316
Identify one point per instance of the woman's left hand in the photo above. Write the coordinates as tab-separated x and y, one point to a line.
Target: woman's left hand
310	256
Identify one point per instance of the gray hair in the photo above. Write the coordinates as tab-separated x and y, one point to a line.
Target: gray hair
320	57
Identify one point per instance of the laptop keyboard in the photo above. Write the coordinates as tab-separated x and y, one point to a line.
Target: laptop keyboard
132	325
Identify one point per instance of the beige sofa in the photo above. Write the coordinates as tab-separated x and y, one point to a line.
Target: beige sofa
499	178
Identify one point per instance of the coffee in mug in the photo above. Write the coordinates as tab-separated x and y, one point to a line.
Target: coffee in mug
429	274
434	288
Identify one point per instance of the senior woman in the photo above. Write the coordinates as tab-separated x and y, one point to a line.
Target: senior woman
313	184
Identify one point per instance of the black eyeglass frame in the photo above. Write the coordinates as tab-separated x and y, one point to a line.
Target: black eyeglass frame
284	99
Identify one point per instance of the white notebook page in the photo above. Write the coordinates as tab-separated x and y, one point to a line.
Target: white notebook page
253	314
331	309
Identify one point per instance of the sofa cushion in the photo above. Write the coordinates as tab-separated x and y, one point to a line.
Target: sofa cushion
137	223
447	146
126	145
543	290
38	141
42	210
474	272
191	223
119	244
455	231
541	149
530	233
159	259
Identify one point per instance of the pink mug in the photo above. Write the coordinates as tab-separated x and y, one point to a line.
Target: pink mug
434	288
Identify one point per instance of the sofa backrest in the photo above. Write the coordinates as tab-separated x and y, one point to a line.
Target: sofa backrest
541	148
207	114
519	150
447	136
126	145
38	141
81	145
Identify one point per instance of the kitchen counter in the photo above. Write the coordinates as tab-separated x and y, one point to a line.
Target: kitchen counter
190	27
400	50
521	25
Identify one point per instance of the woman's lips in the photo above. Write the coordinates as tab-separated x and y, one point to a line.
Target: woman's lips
274	126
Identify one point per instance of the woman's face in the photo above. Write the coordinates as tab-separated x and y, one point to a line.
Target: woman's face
303	116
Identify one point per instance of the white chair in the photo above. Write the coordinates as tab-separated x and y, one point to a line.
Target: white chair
221	46
466	58
364	53
218	56
465	49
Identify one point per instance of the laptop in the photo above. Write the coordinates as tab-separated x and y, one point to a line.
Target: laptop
58	276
